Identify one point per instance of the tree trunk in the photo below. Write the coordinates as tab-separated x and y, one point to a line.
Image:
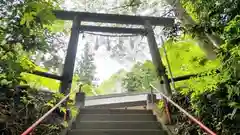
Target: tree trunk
207	42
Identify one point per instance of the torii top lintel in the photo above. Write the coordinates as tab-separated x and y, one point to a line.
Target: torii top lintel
113	18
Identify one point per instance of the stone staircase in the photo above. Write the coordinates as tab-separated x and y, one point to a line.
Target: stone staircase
116	122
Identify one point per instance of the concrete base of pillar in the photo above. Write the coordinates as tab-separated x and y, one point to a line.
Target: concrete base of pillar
80	100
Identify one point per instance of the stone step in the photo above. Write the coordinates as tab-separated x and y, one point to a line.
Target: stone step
116	125
115	117
115	105
116	132
114	111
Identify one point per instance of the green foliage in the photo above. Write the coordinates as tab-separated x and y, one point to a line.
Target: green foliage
22	28
26	26
39	82
185	58
88	89
111	85
190	58
214	96
213	108
12	64
86	68
140	76
232	31
18	114
212	15
24	23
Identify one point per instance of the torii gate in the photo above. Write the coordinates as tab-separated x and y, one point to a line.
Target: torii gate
78	17
147	22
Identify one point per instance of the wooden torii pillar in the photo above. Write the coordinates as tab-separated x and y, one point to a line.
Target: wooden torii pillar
156	58
68	68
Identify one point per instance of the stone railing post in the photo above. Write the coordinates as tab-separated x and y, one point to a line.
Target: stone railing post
151	100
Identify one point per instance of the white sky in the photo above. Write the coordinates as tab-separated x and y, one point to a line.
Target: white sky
105	65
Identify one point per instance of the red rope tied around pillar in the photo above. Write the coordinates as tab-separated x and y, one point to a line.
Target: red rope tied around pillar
205	128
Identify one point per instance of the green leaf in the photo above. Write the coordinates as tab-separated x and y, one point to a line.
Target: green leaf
63	109
49	104
234	105
28	18
5	82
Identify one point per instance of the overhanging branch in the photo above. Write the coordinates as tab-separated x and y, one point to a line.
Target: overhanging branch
45	74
